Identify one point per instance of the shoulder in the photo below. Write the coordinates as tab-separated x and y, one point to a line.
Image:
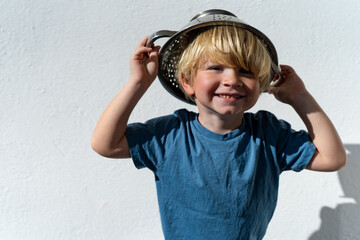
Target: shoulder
266	125
164	123
263	118
181	114
177	115
184	115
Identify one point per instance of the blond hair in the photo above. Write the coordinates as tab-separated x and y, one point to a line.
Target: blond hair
228	45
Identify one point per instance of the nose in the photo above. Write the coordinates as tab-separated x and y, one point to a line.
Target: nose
232	78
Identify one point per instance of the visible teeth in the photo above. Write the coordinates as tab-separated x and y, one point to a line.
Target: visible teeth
228	96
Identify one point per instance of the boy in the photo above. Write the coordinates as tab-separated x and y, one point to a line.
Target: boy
217	172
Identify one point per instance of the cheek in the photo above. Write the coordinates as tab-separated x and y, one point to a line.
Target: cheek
253	85
253	88
207	86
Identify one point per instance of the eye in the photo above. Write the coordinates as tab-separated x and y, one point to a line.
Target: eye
215	68
244	71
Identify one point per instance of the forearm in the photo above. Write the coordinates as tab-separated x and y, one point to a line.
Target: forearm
108	136
331	154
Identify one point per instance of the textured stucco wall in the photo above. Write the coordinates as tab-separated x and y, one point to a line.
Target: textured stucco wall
61	62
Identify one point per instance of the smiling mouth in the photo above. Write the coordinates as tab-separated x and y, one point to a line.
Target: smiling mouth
228	96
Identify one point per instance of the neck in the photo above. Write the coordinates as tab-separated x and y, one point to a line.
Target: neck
221	124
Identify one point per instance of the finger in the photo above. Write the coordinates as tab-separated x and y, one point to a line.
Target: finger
279	81
287	70
141	53
154	51
143	49
143	42
273	90
283	66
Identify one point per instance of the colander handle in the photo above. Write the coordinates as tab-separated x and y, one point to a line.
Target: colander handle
159	34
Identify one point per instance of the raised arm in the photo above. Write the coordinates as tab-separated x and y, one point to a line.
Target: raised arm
108	138
330	153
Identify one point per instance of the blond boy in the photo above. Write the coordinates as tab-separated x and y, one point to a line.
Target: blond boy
217	171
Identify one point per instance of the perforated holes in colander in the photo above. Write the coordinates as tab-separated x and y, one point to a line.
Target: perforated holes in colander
170	60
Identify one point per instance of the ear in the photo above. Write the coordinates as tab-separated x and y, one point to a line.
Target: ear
187	86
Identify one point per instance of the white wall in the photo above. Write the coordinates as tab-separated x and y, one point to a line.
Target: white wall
61	62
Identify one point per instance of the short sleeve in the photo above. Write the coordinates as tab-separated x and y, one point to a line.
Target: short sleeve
293	149
298	152
150	142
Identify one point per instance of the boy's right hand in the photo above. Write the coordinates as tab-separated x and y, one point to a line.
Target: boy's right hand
109	137
144	63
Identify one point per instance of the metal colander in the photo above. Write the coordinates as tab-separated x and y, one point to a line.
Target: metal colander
172	50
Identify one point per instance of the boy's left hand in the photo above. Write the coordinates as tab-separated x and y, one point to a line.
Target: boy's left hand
290	87
330	154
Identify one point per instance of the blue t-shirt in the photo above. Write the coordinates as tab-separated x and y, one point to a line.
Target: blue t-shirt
214	186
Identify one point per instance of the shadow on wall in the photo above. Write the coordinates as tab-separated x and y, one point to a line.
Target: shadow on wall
343	222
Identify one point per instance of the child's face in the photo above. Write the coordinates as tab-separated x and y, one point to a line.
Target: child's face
223	90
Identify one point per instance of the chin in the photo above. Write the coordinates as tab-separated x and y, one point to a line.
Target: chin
230	112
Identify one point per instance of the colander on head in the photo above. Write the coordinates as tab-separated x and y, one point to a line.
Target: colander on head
172	50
